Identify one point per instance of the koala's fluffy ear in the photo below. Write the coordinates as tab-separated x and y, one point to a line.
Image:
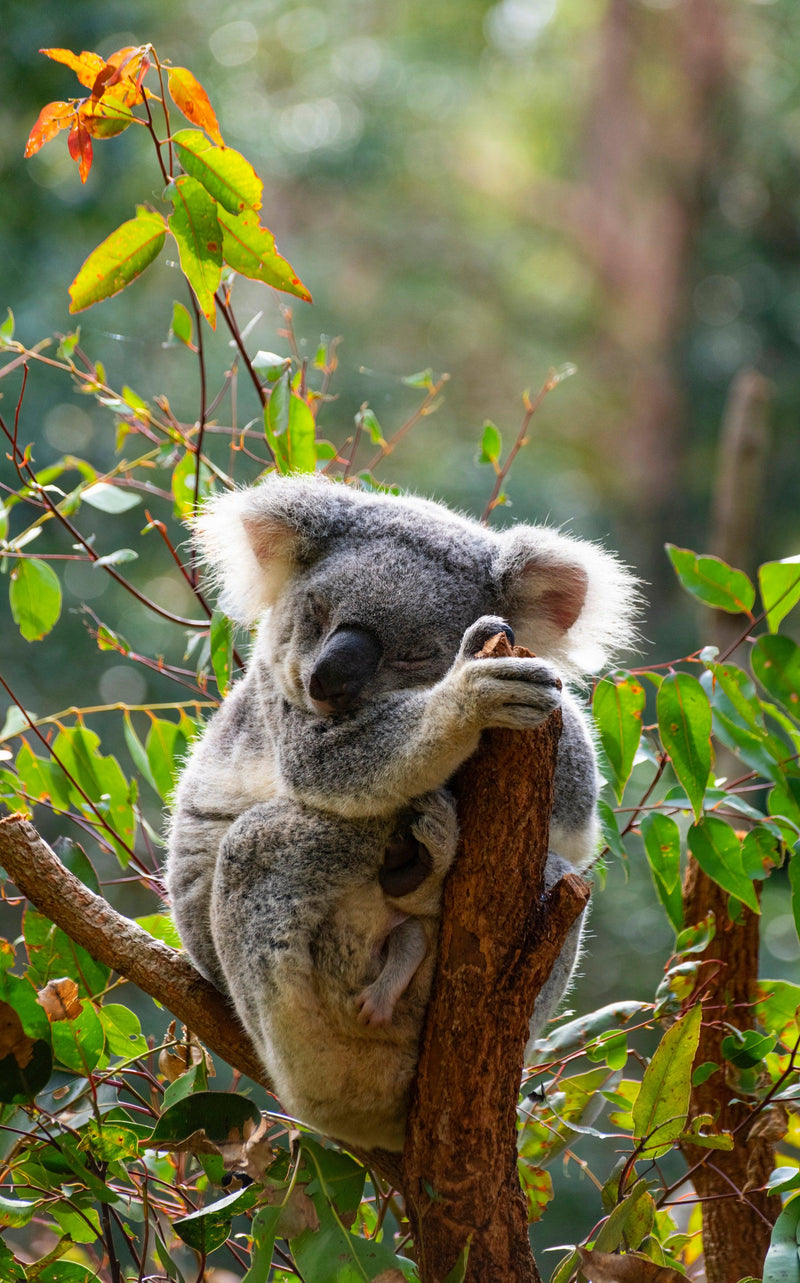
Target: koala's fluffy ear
566	599
253	540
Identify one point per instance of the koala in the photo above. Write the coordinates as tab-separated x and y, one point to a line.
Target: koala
311	829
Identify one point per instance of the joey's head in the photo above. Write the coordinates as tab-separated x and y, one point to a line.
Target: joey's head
359	595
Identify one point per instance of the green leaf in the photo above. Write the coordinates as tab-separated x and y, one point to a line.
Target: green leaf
662	1103
684	722
718	851
34	594
713	581
123	1031
264	1229
776	664
209	1227
198	235
662	842
7	329
794	883
300	433
181	327
270	365
102	779
779	582
222	650
118	260
52	954
276	422
224	173
739	695
611	834
117	558
617	707
183	484
218	1113
15	1212
491	444
138	752
250	249
166	746
748	1048
782	1263
367	419
109	498
422	379
161	927
630	1221
78	1043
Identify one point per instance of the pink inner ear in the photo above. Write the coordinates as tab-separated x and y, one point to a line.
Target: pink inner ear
270	540
562	593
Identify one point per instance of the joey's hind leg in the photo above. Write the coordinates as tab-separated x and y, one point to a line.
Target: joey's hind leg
406	946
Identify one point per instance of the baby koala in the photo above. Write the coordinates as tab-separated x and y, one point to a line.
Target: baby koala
343	919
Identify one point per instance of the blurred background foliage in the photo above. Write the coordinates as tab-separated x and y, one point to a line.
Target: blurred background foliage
487	189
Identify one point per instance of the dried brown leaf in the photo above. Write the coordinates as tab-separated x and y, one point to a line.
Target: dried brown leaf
173	1062
607	1267
60	999
251	1155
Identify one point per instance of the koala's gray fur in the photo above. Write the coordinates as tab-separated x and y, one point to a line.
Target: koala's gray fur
361	699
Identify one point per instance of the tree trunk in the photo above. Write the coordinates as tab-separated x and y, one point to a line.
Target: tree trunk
499	939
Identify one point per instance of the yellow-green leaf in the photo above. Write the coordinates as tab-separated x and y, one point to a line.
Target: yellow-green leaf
118	260
662	1103
617	706
199	239
249	249
684	721
224	173
35	597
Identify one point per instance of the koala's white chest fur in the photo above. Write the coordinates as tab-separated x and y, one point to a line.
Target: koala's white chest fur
311	836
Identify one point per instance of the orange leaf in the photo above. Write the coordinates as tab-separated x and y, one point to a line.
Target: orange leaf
60	999
52	118
80	148
192	101
86	65
126	69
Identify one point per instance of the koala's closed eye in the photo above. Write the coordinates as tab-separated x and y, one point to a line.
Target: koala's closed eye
408	662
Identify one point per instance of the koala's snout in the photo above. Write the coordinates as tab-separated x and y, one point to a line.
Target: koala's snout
347	661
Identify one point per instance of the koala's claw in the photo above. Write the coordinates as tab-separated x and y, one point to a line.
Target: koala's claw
479	633
436	827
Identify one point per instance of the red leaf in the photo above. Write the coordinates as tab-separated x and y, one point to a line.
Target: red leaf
80	148
192	101
52	118
86	65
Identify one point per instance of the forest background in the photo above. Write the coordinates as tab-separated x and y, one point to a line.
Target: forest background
491	191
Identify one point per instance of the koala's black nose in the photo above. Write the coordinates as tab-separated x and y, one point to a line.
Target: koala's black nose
347	661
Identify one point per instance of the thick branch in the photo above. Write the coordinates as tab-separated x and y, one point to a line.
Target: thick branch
90	921
499	939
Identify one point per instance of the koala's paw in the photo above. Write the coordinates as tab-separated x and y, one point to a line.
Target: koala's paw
513	692
436	827
375	1006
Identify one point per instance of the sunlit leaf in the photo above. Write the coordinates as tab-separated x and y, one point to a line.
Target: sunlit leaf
491	444
782	1263
684	721
718	851
117	558
662	1103
250	249
182	324
747	1048
87	66
193	102
118	260
537	1186
199	239
617	706
300	434
224	173
779	582
34	594
713	581
106	117
109	498
165	746
79	142
51	120
15	1212
221	650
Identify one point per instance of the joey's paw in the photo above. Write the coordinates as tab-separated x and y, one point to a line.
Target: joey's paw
436	827
479	633
375	1007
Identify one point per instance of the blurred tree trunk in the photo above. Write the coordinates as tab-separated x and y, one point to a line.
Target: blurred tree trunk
736	1231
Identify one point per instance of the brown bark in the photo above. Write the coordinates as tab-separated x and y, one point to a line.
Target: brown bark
499	938
736	1231
90	921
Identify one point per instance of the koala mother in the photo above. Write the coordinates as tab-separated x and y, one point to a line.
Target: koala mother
311	832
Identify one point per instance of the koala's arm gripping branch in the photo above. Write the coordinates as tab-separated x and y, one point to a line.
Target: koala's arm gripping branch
500	937
109	937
